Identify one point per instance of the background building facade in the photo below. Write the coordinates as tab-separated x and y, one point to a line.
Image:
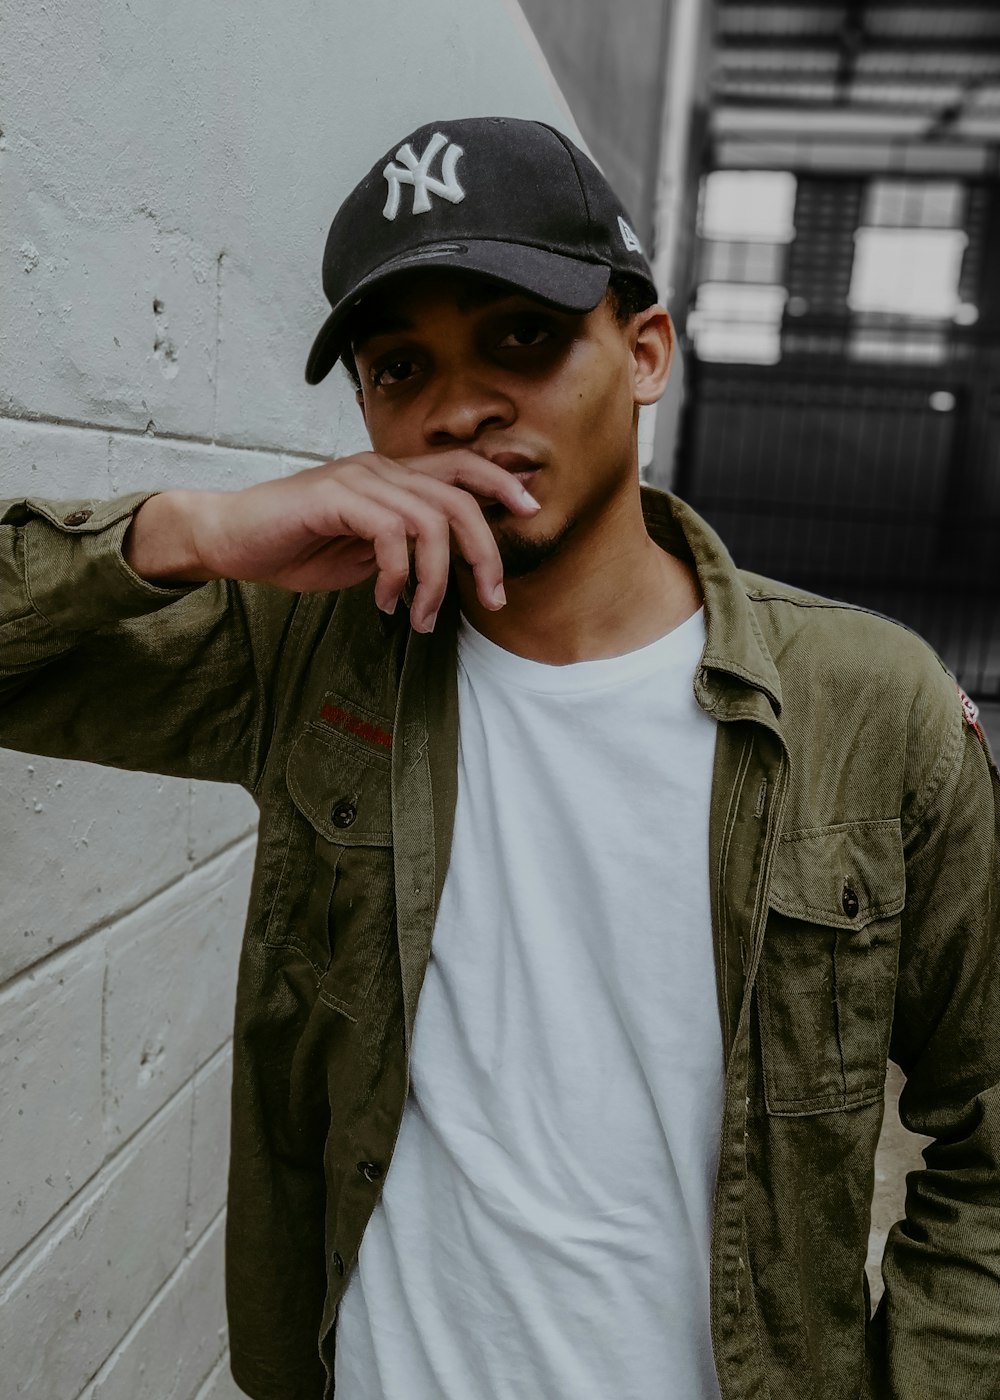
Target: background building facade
843	428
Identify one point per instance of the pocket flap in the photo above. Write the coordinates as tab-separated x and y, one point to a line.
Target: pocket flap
844	876
342	787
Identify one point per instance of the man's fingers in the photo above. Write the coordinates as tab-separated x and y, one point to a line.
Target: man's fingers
430	530
430	506
370	520
432	563
476	474
469	472
477	546
434	512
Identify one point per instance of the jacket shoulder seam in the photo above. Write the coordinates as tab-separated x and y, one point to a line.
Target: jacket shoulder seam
949	760
807	600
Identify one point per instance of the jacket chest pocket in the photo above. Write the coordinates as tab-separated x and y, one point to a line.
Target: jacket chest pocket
827	975
336	901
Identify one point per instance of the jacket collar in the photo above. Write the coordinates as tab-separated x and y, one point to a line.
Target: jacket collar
735	655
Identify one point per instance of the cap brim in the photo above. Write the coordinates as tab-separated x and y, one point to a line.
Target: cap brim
566	283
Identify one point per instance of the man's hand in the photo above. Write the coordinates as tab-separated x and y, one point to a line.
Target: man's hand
332	526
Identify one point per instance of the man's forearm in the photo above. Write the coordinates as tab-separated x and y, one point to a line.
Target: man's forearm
159	545
100	664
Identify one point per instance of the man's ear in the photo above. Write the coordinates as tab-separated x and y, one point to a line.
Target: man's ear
652	336
359	399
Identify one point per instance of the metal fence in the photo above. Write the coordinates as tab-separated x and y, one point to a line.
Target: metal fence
863	473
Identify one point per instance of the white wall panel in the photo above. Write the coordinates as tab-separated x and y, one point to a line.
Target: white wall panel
64	1308
170	989
167	177
78	845
51	1141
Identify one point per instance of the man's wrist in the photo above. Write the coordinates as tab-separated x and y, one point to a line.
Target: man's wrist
159	545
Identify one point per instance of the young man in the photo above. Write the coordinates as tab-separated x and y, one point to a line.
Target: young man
596	879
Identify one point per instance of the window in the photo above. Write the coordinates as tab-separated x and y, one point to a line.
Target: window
754	204
907	266
746	224
738	324
914	204
907	271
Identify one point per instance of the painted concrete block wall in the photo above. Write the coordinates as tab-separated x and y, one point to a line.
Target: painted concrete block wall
610	62
167	176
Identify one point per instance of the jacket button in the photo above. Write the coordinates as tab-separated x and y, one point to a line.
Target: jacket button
849	902
77	517
371	1171
344	814
338	1263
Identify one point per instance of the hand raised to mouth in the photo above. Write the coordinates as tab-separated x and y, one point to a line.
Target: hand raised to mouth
335	525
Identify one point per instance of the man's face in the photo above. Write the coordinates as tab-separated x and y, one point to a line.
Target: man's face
449	361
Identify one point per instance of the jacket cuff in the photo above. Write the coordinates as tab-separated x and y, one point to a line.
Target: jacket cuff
75	574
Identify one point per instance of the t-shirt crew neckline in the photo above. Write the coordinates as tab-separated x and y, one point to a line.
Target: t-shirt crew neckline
681	646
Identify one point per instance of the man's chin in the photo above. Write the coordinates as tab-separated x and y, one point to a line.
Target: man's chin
522	553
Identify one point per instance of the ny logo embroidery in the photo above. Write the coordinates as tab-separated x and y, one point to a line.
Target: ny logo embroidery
417	173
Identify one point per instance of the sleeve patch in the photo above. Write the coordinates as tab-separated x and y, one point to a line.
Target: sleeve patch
970	713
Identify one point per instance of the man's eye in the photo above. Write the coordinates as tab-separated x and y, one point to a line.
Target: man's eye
525	335
392	372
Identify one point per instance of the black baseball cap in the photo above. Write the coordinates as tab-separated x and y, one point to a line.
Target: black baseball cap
512	200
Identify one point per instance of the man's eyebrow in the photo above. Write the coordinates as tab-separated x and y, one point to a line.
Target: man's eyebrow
390	322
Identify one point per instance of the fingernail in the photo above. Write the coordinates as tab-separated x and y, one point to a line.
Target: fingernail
529	499
499	596
423	624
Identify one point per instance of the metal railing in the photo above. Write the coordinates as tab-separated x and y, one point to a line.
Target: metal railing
876	481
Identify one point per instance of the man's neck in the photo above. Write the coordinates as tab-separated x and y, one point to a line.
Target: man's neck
598	597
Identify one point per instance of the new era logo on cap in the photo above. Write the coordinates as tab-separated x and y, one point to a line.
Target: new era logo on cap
514	201
629	236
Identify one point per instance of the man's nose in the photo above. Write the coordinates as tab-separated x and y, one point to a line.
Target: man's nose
463	406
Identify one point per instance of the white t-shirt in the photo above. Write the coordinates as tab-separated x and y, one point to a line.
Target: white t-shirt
544	1228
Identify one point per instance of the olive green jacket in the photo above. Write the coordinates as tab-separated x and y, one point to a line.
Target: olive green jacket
854	869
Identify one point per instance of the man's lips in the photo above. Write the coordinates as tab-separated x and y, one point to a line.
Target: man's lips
517	463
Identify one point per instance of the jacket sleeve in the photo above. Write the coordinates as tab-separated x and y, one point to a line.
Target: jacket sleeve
98	664
937	1328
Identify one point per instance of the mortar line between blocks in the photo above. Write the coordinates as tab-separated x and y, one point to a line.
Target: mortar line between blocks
189	821
109	920
104	1047
119	1346
109	464
221	444
213	1375
209	1065
218	342
193	1081
50	1228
